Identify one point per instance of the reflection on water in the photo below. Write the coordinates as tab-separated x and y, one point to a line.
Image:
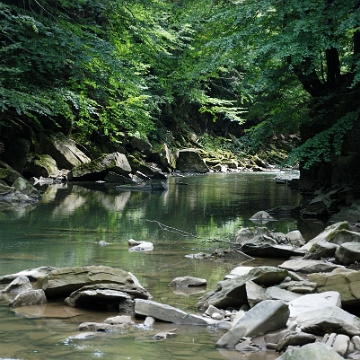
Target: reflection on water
68	227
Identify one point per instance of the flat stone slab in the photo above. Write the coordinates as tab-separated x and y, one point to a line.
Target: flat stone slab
310	302
309	266
168	313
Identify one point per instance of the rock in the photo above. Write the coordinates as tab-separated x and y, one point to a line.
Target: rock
112	177
199	255
214	313
189	160
255	293
164	335
348	253
100	327
125	320
271	251
327	320
19	285
239	271
328	234
42	165
64	150
98	296
154	186
308	266
29	298
300	287
321	250
276	293
168	313
243	235
164	157
266	316
262	216
61	282
296	238
310	302
141	246
295	338
346	283
187	281
32	274
232	292
339	342
149	321
247	346
315	351
97	169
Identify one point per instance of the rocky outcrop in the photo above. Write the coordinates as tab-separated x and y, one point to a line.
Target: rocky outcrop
346	283
98	169
189	161
266	316
63	150
60	283
316	351
168	313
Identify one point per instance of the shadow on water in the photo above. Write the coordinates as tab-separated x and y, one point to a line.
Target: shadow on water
77	225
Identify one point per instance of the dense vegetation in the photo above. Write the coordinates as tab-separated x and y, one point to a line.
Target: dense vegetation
108	67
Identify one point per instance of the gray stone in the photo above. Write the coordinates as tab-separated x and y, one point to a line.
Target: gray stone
266	316
29	298
168	313
296	238
327	235
262	216
238	271
243	235
164	335
17	286
347	283
98	296
61	282
189	160
64	150
321	250
32	274
101	327
164	157
308	266
300	287
271	251
98	169
315	351
187	281
309	302
232	292
255	293
141	246
328	320
348	253
295	338
42	165
276	293
120	320
341	344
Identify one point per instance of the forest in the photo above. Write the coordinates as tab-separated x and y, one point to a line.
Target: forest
239	72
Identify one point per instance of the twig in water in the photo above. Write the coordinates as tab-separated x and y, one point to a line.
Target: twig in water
172	229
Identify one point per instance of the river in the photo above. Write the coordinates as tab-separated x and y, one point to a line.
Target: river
196	214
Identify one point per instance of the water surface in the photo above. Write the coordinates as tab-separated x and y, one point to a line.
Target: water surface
196	214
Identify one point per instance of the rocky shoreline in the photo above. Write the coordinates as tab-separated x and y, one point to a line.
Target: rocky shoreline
308	304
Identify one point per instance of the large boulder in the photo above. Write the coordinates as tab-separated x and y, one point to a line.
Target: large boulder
62	282
308	266
189	160
64	150
266	316
18	285
164	157
315	351
98	169
348	253
346	283
42	165
168	313
29	298
310	302
232	292
327	320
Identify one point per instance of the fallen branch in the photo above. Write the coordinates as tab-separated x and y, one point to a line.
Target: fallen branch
172	229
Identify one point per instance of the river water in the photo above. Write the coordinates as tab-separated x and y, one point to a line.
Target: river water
196	214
